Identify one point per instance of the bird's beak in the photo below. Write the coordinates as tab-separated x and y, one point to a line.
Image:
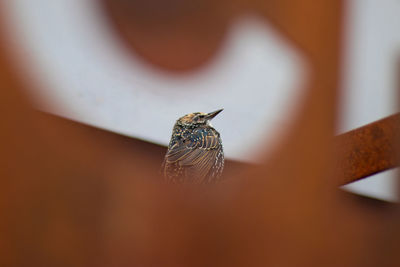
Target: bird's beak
211	115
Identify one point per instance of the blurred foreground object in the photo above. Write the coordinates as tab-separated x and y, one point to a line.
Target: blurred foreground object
177	35
75	197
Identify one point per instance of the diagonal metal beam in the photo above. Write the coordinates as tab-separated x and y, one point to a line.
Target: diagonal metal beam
360	153
367	150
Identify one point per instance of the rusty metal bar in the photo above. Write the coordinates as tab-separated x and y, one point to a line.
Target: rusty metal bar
361	152
367	150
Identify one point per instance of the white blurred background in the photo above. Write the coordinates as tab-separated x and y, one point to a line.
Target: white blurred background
85	74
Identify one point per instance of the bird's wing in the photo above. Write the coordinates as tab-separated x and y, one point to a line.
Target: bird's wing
196	155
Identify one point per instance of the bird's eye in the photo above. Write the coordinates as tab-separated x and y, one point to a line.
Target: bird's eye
201	116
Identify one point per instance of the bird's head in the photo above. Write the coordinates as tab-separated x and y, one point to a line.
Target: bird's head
198	118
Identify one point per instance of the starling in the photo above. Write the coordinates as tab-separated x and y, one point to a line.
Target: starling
195	153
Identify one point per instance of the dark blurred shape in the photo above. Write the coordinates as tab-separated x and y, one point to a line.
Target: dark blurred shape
176	35
74	196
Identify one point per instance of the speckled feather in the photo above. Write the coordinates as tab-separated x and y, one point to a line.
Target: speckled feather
195	152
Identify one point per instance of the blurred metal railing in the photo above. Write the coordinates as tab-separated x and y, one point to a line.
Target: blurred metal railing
76	196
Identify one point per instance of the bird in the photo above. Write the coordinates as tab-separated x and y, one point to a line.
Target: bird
195	153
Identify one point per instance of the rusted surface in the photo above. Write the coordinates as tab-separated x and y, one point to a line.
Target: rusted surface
367	150
361	152
72	197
